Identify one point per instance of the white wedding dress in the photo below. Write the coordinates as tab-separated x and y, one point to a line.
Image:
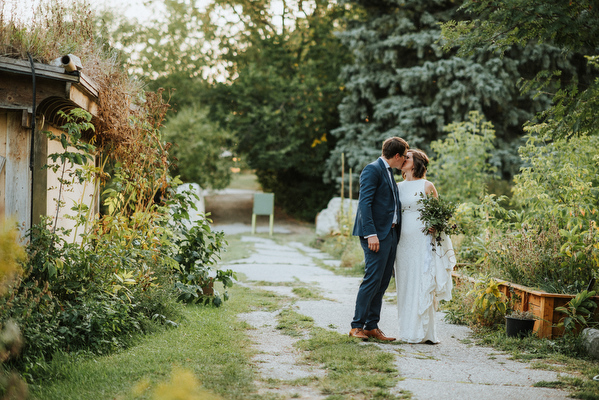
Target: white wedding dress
422	276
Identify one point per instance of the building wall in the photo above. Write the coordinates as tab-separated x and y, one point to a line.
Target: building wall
71	193
16	189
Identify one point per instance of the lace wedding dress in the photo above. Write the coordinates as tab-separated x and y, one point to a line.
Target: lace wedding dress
422	272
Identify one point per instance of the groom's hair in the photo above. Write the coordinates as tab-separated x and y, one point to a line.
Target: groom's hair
393	146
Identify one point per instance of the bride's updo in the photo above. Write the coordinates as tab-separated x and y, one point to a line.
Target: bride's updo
420	160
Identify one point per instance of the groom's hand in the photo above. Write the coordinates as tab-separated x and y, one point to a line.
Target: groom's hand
373	243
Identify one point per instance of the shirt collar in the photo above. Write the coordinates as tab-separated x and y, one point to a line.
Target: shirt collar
385	162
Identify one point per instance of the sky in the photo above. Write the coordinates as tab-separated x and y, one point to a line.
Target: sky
133	9
130	8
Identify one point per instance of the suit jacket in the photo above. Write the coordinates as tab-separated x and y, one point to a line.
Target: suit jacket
376	203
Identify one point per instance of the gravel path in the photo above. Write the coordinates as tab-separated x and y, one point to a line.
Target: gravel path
454	369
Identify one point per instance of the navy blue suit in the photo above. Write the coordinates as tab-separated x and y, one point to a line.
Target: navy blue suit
376	206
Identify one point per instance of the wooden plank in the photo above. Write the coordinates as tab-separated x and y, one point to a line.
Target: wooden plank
18	177
546	321
83	100
19	94
91	86
39	175
42	70
3	131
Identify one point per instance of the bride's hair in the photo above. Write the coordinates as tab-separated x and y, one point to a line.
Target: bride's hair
420	160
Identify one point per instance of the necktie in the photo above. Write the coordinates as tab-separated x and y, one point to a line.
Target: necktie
395	190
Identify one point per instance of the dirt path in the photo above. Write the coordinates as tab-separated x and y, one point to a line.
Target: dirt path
233	207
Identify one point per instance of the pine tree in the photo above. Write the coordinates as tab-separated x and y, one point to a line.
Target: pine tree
404	84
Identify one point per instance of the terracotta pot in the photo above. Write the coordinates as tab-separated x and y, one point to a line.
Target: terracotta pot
208	289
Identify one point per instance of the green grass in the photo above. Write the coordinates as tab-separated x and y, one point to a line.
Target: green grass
244	180
294	324
210	342
307	293
236	249
355	370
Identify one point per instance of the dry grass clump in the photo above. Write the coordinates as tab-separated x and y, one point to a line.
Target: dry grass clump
128	118
52	31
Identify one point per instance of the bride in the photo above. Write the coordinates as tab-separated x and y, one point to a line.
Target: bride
422	273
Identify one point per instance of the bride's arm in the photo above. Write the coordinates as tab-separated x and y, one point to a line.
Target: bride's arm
430	188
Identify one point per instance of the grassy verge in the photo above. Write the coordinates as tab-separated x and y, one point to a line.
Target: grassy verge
244	180
354	370
562	355
211	344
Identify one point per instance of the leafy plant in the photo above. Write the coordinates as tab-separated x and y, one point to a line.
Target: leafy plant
76	153
518	314
552	243
436	213
11	340
578	312
465	152
490	304
11	253
198	249
458	310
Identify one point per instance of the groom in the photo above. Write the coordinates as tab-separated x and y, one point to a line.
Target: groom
378	223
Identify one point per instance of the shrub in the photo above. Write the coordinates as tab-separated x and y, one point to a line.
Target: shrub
533	257
552	243
458	310
490	304
464	153
198	249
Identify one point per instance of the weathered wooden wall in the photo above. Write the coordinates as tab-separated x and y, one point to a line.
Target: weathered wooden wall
15	179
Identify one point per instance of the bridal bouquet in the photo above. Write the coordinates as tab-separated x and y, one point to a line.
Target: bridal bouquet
437	213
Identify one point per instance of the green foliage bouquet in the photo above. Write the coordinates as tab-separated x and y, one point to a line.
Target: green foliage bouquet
437	215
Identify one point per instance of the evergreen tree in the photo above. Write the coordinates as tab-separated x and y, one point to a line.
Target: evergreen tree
572	26
281	102
403	83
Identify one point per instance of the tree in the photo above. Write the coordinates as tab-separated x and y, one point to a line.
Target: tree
403	84
280	100
464	152
198	148
572	26
271	79
174	51
171	51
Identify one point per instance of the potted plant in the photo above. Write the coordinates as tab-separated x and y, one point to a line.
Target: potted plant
519	323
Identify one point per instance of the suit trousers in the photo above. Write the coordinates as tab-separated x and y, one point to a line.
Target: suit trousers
377	274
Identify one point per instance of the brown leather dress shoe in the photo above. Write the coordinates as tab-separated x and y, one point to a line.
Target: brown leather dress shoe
358	333
378	335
